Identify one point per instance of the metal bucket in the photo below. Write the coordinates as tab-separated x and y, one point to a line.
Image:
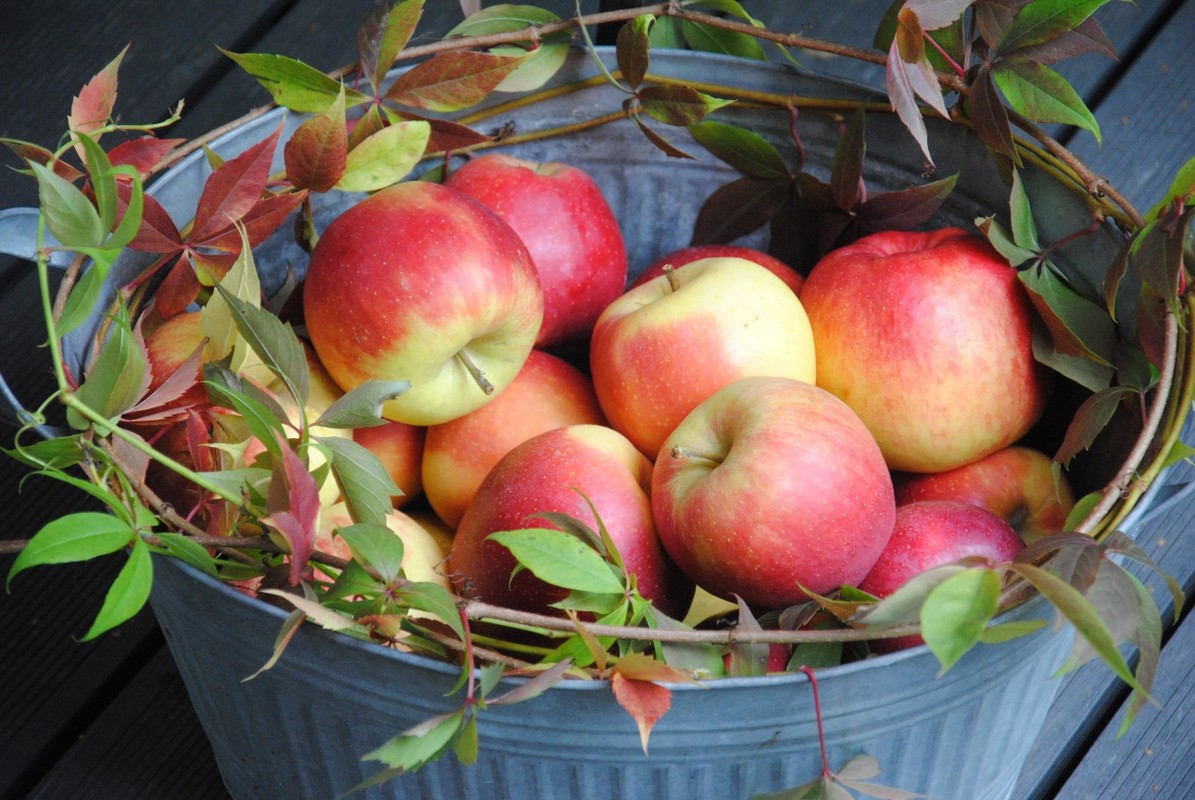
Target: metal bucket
299	729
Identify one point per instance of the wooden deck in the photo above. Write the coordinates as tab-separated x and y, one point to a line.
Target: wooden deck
110	719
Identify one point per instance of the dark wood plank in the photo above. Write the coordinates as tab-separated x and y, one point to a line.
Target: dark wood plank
1149	116
1156	757
147	743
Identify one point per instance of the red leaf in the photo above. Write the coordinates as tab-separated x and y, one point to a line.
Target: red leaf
179	289
92	107
199	436
737	208
36	154
315	156
265	217
989	116
157	233
645	701
233	188
904	99
451	81
142	154
293	504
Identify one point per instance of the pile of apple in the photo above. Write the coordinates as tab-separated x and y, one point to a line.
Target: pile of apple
735	426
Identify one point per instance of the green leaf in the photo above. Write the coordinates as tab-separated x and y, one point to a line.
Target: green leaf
1074	607
435	600
367	488
710	39
292	83
75	537
1024	229
86	293
560	559
361	406
68	212
903	606
419	744
956	612
386	157
119	376
274	342
535	67
678	105
502	18
261	421
1183	186
128	592
466	747
1078	326
1007	631
376	546
1001	239
1043	20
188	551
700	659
1042	95
741	148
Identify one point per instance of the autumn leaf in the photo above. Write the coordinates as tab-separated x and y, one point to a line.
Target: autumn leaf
451	81
143	154
293	506
383	35
92	107
633	49
645	701
234	188
315	155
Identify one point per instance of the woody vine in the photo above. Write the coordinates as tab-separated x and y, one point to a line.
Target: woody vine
366	129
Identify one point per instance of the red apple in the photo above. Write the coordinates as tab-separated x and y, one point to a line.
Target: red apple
399	447
563	218
931	533
549	473
678	258
547	393
929	338
770	487
1017	484
663	347
423	283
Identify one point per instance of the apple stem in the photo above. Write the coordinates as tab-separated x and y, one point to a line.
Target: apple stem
476	372
670	273
683	452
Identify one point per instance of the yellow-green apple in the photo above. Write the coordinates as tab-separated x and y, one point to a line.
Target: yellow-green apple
769	488
931	533
678	258
928	336
560	213
556	471
1017	484
399	447
422	283
422	557
547	393
663	347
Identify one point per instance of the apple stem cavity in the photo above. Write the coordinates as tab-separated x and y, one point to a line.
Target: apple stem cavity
476	372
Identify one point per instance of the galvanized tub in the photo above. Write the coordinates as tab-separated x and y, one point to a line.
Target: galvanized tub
299	729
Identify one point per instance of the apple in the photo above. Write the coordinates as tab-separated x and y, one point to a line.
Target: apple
678	258
399	447
549	473
663	347
1017	484
547	393
574	239
422	283
769	488
931	533
422	558
928	336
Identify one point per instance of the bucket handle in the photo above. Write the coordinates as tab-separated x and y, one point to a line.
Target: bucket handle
18	237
